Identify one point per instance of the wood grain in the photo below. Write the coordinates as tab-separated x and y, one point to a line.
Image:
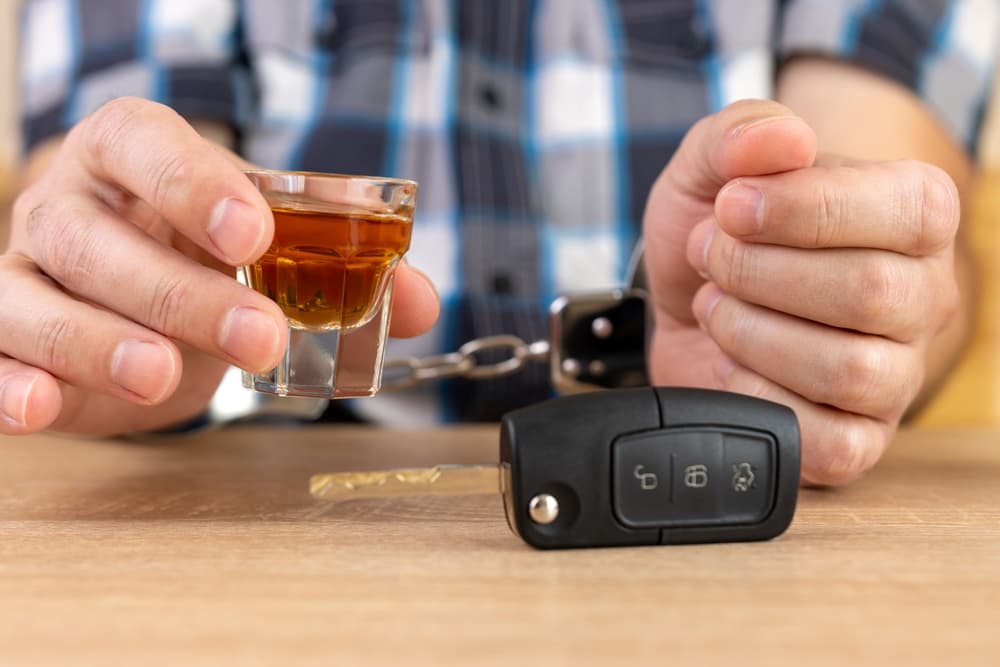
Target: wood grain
210	550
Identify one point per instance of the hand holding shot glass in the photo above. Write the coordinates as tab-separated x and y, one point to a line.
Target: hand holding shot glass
330	268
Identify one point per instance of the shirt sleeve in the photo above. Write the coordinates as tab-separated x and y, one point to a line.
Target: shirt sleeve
943	50
75	55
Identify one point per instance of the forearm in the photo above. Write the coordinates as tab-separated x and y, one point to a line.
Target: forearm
864	116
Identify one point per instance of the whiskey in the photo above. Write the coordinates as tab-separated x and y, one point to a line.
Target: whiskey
327	269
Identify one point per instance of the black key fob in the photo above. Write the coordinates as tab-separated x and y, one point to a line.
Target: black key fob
649	466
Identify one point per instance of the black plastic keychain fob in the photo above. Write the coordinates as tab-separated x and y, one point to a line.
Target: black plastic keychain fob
649	466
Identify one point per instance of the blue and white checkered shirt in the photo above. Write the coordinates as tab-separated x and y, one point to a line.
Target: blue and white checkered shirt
535	127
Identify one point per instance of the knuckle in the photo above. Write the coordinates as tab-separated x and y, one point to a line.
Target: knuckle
884	294
105	134
24	205
166	305
847	455
830	212
926	203
31	212
103	130
737	260
172	170
67	247
861	376
55	331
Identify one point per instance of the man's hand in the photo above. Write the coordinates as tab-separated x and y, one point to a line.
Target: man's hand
814	283
118	309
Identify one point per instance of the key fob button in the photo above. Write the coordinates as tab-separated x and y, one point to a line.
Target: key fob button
698	477
668	477
748	488
693	477
643	479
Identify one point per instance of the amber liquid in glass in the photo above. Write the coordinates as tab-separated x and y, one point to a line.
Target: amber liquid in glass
328	269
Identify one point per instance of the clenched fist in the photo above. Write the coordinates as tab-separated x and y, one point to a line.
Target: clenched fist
817	282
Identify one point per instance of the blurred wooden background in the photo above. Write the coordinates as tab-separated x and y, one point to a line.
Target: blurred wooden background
8	141
970	397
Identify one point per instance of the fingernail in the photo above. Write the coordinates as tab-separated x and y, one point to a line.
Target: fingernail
143	368
701	242
741	209
767	120
705	302
248	336
235	229
14	393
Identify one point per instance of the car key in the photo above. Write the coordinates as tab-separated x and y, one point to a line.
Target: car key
624	467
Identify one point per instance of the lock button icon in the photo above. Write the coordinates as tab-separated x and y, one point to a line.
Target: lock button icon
647	480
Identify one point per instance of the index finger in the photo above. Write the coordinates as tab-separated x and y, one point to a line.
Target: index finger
154	154
903	206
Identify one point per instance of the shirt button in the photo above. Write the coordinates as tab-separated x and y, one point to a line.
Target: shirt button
326	39
502	284
489	97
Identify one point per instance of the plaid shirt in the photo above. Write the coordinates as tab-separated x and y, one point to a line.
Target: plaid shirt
535	127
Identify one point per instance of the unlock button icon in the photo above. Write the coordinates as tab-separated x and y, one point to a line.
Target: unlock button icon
647	480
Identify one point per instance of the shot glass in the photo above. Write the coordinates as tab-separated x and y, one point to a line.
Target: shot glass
337	242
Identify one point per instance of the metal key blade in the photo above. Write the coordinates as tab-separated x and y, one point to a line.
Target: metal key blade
442	480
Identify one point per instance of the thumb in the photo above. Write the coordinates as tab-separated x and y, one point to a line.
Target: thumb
415	303
748	138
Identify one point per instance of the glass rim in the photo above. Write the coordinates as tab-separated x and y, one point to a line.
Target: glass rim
332	176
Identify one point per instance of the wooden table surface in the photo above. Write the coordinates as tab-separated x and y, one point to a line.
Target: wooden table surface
210	550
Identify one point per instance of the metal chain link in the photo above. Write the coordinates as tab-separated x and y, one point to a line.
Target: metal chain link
406	372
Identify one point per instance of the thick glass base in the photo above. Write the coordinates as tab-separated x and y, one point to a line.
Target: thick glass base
342	363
